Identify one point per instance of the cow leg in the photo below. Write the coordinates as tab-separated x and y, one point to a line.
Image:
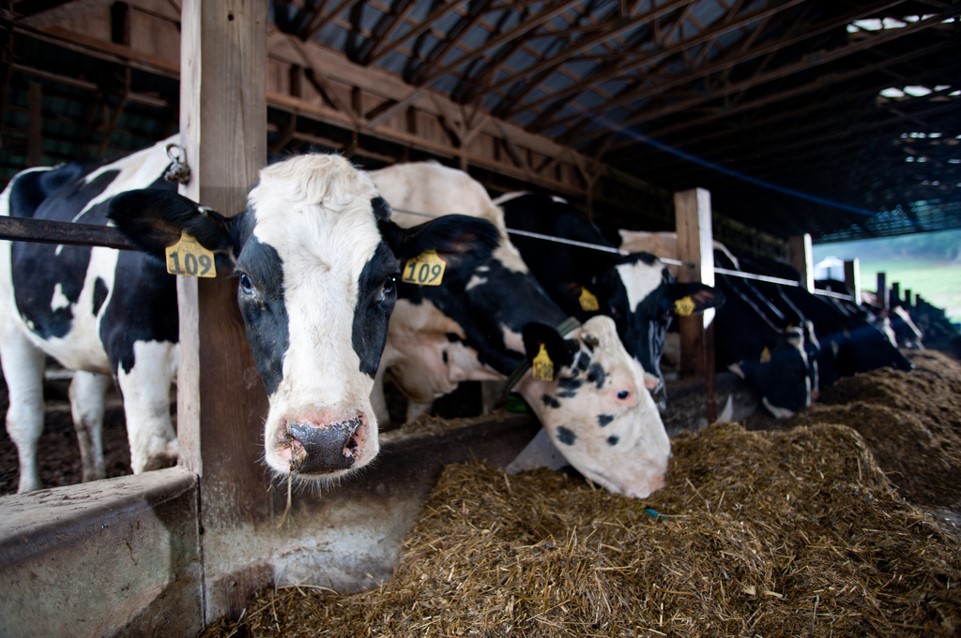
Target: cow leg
87	390
378	401
23	365
146	401
416	410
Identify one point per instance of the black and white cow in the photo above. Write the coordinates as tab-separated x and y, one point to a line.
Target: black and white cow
315	258
593	404
637	290
850	344
753	339
766	343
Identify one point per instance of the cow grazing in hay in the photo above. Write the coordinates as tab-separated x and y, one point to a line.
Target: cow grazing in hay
315	257
490	323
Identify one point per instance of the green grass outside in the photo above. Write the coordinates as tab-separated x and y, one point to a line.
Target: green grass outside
938	282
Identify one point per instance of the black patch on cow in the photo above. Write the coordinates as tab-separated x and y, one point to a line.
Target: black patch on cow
41	271
264	310
566	436
99	294
597	375
567	394
569	383
381	208
583	361
604	419
376	296
550	401
613	439
143	307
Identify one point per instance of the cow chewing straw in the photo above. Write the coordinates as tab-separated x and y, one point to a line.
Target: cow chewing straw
804	531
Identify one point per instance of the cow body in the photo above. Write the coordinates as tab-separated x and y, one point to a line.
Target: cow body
594	406
637	290
753	338
315	258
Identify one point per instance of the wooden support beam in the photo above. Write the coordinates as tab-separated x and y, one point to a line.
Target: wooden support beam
852	278
221	401
894	297
692	211
882	290
799	250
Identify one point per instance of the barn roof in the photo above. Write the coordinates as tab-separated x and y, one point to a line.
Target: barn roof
840	119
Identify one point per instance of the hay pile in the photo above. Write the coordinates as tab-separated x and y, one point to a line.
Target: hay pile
911	421
794	532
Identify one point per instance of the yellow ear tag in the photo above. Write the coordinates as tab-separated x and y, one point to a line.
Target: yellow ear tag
588	301
426	269
188	257
765	355
543	367
684	307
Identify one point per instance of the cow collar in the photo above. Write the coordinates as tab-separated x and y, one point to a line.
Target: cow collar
564	327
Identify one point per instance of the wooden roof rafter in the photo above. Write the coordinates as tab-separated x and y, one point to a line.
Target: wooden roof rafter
640	59
817	84
652	113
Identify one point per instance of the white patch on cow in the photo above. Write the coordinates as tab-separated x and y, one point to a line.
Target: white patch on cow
779	413
81	348
629	454
137	170
475	281
146	405
315	211
640	280
59	300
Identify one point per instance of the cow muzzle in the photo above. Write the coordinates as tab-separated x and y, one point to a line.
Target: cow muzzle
324	448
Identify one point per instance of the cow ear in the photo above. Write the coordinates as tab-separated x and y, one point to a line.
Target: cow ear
461	241
540	341
155	219
691	298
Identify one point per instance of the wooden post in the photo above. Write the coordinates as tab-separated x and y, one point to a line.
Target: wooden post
852	277
799	251
882	291
908	297
692	211
221	402
894	297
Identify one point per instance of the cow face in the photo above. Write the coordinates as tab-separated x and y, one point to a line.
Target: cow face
643	298
315	259
596	409
782	376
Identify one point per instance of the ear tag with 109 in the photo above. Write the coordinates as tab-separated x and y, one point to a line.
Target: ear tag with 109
188	257
426	269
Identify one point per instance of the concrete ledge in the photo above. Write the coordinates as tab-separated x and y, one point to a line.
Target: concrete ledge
119	556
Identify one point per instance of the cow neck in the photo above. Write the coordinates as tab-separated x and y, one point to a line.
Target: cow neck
564	328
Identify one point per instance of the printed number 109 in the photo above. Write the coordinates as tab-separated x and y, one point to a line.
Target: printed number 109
193	265
423	273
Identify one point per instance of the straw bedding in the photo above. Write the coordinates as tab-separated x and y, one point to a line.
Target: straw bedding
807	531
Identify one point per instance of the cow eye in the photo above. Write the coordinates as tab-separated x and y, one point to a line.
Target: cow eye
390	284
246	286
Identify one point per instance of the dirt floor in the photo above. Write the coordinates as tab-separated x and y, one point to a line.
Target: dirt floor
59	456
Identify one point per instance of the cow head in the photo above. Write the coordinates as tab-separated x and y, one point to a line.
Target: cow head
315	259
595	407
642	297
784	377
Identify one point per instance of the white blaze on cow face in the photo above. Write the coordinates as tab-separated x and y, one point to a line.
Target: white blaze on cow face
599	415
314	214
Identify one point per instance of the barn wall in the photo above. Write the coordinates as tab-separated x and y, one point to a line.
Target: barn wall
113	557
